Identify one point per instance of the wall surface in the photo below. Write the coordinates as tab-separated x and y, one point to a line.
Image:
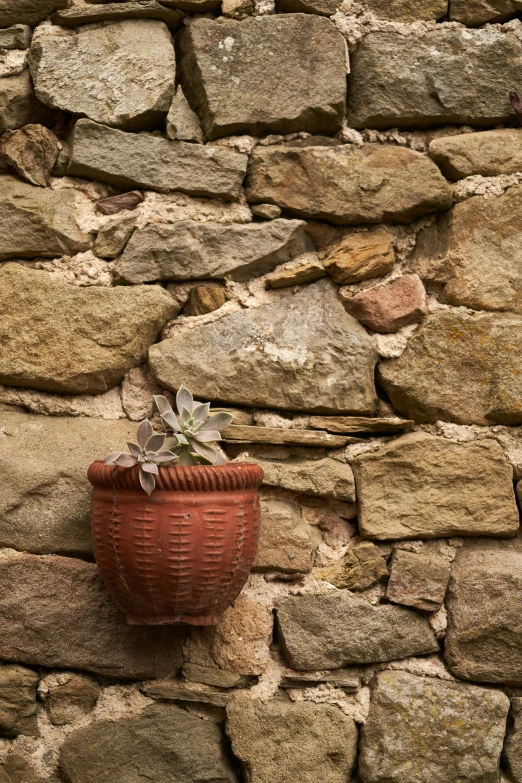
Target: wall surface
310	214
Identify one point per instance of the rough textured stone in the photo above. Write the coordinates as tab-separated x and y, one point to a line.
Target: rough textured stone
56	612
239	433
204	299
407	10
168	690
32	152
17	698
182	122
211	676
238	9
387	308
444	76
114	235
280	741
121	74
18	103
114	12
44	504
360	568
297	275
243	94
74	696
423	729
453	351
299	341
473	13
16	769
27	11
338	678
44	348
266	211
483	641
487	153
418	580
513	743
189	250
474	253
320	7
98	406
335	630
286	541
162	743
36	222
325	477
192	6
422	486
124	201
130	160
359	424
347	185
16	37
359	256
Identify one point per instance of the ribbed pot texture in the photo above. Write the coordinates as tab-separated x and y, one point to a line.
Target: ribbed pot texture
183	554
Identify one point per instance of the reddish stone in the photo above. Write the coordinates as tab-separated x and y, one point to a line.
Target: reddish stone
114	204
387	308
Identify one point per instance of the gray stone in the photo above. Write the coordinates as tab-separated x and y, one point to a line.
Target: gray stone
473	13
44	505
360	424
337	629
320	7
513	743
283	350
191	6
239	433
418	580
407	10
488	153
280	741
17	698
32	152
162	743
18	103
361	567
325	477
36	222
484	637
72	698
443	77
211	676
114	12
453	351
177	690
422	486
43	347
474	253
338	678
182	122
16	37
29	12
120	74
287	542
348	185
189	250
131	160
114	235
266	83
421	728
56	612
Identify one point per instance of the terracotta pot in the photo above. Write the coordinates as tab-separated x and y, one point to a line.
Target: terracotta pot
183	554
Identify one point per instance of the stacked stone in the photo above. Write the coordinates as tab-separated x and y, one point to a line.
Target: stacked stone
308	213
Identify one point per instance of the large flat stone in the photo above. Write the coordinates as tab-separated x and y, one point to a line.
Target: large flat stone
488	153
484	602
120	74
18	103
474	253
162	743
282	741
324	477
442	77
38	222
132	160
422	486
44	504
62	338
452	352
56	612
240	433
109	12
189	250
422	729
335	630
473	13
29	12
282	352
270	74
332	183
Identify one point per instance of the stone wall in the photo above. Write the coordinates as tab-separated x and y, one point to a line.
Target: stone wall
311	214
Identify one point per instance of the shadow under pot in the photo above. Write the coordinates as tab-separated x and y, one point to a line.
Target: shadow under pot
182	554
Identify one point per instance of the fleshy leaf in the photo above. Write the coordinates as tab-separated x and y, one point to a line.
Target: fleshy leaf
150	467
218	421
134	449
147	481
155	443
200	412
162	404
162	457
171	420
206	436
185	417
184	399
144	432
203	450
182	439
111	459
186	458
220	458
126	460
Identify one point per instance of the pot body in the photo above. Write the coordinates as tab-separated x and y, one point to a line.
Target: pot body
183	554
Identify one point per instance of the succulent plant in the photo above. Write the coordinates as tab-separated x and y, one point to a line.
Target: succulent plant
188	438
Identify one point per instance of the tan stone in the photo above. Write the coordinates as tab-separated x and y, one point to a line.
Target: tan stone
387	308
422	486
18	103
212	676
18	36
324	477
114	235
513	743
43	347
29	12
359	424
360	568
32	152
359	257
297	275
177	690
407	10
204	299
239	433
115	12
473	13
238	9
182	122
72	699
347	185
17	699
97	406
488	153
418	580
266	211
287	542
